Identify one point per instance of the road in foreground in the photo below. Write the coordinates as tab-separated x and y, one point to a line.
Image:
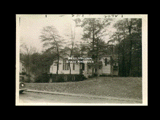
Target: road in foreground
43	98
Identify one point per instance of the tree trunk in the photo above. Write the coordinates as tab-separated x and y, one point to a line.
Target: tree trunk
130	52
112	62
29	68
57	64
93	50
118	54
70	57
130	60
138	67
97	59
118	58
70	68
123	62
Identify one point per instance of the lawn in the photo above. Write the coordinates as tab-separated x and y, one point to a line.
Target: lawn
124	87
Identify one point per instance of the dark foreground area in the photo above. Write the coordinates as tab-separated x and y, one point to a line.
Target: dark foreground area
41	98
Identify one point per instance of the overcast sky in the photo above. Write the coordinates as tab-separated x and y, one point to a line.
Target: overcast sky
31	27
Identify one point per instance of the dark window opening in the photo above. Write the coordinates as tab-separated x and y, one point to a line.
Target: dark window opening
83	66
73	66
106	62
100	66
115	67
89	67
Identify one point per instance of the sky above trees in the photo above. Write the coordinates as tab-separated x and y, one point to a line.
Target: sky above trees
32	25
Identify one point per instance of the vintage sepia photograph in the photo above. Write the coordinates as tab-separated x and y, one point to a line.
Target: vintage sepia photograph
81	59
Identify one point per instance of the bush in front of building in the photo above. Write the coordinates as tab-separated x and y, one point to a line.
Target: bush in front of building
67	77
42	78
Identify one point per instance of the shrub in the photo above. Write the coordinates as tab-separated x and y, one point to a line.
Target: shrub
67	77
60	78
42	78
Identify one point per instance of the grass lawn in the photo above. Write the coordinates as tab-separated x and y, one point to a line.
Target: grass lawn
124	87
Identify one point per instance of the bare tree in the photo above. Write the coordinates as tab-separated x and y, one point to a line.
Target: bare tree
25	57
53	41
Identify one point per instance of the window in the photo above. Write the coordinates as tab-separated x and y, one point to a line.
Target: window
100	66
73	66
83	66
105	61
89	67
65	65
115	67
